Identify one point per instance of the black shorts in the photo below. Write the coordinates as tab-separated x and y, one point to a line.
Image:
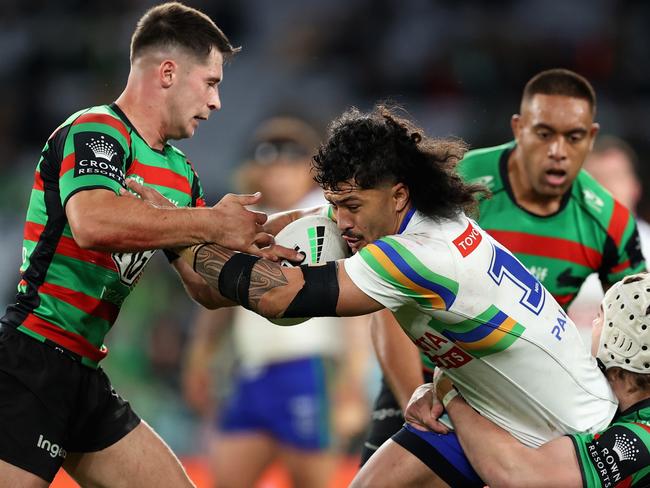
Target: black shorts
386	420
51	404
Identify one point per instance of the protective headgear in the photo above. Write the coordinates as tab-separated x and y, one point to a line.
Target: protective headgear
625	337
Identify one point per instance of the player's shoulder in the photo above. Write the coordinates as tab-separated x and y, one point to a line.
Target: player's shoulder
483	165
100	119
596	202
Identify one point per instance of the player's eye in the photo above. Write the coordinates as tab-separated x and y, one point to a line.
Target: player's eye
543	134
575	138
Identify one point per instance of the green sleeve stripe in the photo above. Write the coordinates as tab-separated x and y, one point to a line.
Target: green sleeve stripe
371	261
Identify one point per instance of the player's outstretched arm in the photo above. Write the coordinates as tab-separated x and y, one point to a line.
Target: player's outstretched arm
502	461
102	220
274	291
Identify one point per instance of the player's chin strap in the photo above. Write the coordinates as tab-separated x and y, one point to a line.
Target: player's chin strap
317	297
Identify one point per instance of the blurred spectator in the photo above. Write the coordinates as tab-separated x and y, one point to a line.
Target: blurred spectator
285	402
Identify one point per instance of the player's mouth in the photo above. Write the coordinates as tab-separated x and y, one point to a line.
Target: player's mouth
556	176
355	243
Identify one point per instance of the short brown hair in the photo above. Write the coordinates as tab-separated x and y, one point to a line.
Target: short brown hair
559	81
173	24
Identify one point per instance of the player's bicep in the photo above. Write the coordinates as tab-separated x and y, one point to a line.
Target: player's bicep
82	209
352	301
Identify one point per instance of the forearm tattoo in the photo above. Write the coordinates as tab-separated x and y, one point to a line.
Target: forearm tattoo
265	276
209	260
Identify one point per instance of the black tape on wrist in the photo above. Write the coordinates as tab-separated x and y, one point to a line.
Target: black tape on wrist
235	278
170	255
319	295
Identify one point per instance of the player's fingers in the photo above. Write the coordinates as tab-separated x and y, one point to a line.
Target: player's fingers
249	199
125	193
292	255
262	239
136	187
437	427
260	217
418	426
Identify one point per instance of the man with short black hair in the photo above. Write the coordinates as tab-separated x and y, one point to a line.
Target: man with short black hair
85	246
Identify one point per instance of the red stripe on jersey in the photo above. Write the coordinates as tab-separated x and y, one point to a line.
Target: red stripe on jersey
618	222
90	305
626	483
644	427
74	342
107	120
38	181
68	247
67	164
155	175
200	202
621	267
564	299
550	247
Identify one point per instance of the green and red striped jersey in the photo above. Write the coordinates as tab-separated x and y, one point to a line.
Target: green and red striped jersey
72	296
591	232
620	455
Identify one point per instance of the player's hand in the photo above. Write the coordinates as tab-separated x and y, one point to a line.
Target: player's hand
443	385
423	410
147	194
241	229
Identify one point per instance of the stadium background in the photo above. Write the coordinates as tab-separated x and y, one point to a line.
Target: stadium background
457	67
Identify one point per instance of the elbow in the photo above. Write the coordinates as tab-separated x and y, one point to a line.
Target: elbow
89	238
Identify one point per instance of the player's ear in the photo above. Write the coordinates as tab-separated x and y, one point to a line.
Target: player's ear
167	73
515	122
593	132
401	196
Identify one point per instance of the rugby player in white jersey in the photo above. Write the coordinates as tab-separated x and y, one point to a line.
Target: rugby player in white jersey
501	337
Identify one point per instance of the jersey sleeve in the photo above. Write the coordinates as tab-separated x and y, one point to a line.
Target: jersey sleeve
618	456
95	155
397	271
622	255
198	198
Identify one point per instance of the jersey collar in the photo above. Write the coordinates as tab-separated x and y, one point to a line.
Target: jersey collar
407	220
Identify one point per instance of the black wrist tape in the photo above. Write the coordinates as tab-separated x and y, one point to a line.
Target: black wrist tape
235	278
319	295
170	255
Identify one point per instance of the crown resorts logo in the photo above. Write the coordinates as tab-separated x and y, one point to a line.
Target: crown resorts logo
101	148
316	238
625	448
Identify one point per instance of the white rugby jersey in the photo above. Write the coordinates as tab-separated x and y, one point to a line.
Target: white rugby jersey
477	312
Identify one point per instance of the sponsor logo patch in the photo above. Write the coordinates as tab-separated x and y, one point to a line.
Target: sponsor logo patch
468	240
617	454
98	154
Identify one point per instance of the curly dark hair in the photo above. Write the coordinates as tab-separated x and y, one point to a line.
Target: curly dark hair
381	147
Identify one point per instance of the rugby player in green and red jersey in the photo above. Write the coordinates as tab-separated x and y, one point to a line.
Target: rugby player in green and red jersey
556	219
85	247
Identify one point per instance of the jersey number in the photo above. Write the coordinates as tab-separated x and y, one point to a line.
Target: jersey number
505	264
